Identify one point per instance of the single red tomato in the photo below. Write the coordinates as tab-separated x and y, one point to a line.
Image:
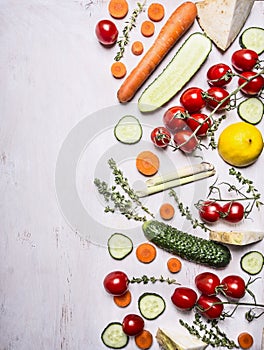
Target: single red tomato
133	324
106	32
116	283
192	99
244	59
160	136
219	74
201	121
214	97
210	211
184	298
254	86
210	307
233	286
174	119
186	141
233	212
207	282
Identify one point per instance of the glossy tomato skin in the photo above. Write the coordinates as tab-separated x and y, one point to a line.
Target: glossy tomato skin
184	298
210	211
200	120
233	212
215	96
206	303
133	324
244	60
174	119
192	99
207	282
183	136
116	283
254	86
216	73
234	287
106	32
160	136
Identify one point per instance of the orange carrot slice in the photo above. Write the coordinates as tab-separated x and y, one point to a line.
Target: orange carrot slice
147	163
146	253
166	211
147	28
123	300
118	8
245	340
137	48
144	340
156	12
174	265
118	70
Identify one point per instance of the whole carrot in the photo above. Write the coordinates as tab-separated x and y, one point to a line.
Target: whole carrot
177	24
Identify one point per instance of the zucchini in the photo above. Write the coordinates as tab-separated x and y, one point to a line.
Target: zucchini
128	130
119	246
251	110
189	247
186	62
252	262
114	337
151	305
252	38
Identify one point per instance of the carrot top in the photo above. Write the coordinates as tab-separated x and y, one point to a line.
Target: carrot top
146	253
156	12
118	8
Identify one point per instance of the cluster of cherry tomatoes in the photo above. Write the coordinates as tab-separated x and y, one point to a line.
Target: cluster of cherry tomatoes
233	287
212	211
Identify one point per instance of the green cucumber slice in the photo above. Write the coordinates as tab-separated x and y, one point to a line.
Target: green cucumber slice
114	337
151	305
186	62
119	246
251	110
128	130
252	38
252	262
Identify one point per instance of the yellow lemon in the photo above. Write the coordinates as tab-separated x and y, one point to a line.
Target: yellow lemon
240	144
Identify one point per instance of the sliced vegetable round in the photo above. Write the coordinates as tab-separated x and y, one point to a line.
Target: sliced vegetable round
114	337
151	305
251	110
252	262
119	246
128	130
253	38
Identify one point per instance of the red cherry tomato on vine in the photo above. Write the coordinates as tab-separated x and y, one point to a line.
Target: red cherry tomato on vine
210	211
192	99
185	141
160	136
106	32
234	286
174	120
244	60
184	298
211	310
133	324
219	75
254	86
207	282
116	283
233	212
199	120
215	95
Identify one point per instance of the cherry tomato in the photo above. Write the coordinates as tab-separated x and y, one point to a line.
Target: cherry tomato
199	120
214	97
184	298
106	32
207	282
234	286
116	283
233	212
173	118
192	99
185	141
244	59
210	211
206	303
133	324
160	136
254	86
219	75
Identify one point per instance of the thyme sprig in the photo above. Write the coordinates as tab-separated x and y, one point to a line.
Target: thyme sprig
145	280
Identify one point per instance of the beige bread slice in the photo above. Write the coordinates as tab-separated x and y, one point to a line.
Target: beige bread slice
222	20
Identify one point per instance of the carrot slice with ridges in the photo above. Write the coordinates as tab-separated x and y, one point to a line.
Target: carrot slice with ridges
147	163
245	340
118	70
146	253
137	48
118	8
123	300
166	211
147	28
174	265
156	12
144	340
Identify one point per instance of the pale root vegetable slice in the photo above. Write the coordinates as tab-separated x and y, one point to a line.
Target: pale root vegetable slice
118	70
118	8
147	163
147	28
137	48
156	12
177	24
166	211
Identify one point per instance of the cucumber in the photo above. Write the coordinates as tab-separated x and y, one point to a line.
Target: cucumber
151	305
186	62
252	38
251	110
119	246
128	130
189	247
114	337
252	262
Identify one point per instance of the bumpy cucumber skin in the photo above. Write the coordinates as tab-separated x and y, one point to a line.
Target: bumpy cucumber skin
187	246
